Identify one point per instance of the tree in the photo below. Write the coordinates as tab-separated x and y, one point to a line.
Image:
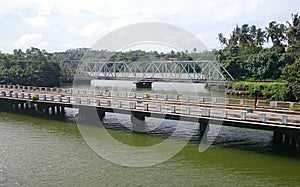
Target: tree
275	33
291	74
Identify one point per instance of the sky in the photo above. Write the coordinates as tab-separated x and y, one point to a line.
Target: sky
57	25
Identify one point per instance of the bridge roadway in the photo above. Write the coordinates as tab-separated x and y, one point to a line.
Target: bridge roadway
284	122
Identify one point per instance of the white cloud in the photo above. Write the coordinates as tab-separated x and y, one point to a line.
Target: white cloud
37	21
29	40
91	29
82	22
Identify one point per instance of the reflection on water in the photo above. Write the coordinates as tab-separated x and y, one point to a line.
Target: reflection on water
41	152
38	152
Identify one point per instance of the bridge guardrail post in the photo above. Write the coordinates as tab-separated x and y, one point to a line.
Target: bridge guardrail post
263	117
22	95
243	115
205	112
225	114
242	102
132	105
166	97
146	107
188	110
51	98
214	100
97	102
119	104
201	99
88	101
78	100
273	104
59	98
109	103
284	119
159	108
68	99
173	109
44	97
292	105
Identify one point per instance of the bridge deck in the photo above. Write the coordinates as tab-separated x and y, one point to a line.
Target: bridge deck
265	117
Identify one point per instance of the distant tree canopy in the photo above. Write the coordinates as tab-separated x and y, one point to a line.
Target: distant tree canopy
39	68
32	67
244	56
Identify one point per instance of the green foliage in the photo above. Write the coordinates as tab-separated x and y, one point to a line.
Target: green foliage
245	58
271	90
33	67
291	73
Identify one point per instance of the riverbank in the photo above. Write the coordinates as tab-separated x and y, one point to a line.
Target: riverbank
266	90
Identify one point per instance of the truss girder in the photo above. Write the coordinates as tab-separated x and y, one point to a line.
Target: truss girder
172	70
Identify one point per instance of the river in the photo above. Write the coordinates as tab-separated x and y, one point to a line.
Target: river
41	152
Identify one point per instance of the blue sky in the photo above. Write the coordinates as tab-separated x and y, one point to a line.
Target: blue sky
57	25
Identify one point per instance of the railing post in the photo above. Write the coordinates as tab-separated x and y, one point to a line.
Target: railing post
173	109
284	119
119	104
97	102
263	117
146	107
68	99
205	112
166	97
242	102
225	114
78	100
132	105
243	115
159	108
188	110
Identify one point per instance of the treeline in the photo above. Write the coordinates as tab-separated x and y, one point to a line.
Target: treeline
246	55
33	67
39	68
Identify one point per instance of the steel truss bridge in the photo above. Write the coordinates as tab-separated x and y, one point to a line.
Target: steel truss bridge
157	71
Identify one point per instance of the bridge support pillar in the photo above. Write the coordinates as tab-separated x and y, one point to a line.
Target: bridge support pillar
138	122
277	138
101	114
143	84
90	116
203	129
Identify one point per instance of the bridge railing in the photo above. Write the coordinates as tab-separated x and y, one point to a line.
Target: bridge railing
249	103
177	105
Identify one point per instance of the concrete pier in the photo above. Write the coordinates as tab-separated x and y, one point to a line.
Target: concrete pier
138	122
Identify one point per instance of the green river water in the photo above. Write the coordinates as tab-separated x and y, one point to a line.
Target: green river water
42	152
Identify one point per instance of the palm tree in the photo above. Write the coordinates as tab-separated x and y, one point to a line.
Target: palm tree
275	32
293	30
222	40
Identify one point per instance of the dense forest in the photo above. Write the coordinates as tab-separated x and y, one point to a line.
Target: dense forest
249	54
245	55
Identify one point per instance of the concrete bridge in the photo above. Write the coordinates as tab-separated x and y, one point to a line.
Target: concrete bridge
145	73
274	116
